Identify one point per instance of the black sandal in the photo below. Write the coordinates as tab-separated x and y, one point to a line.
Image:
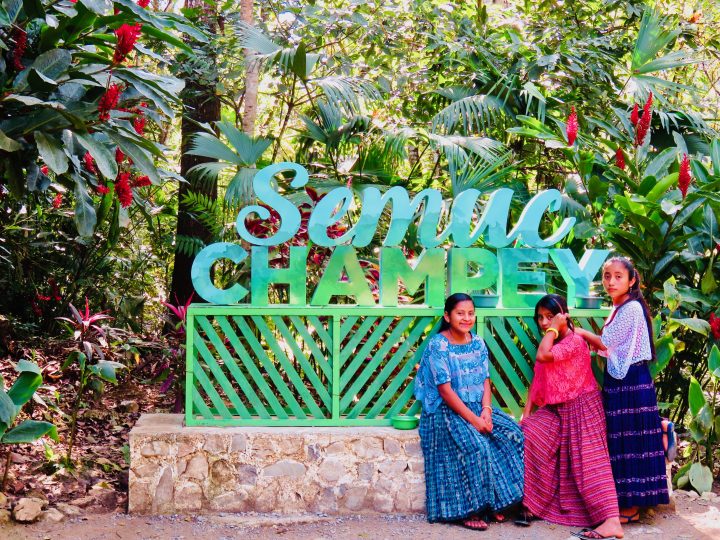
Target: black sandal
524	519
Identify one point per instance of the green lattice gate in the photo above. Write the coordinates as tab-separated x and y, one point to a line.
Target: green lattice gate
334	365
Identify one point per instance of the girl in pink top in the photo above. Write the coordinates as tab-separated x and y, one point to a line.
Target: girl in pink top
568	478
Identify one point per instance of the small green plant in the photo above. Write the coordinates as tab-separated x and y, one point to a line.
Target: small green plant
11	403
90	339
704	428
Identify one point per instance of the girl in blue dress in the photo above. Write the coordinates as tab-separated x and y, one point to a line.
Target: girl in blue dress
473	452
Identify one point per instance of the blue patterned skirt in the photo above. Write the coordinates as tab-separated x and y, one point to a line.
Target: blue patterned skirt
467	472
635	438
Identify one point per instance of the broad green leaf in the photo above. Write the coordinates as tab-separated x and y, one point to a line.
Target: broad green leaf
708	283
696	325
681	471
51	152
714	361
715	155
107	370
12	7
137	154
85	217
695	397
661	162
52	64
701	477
26	365
30	431
8	144
7	408
24	387
103	157
661	187
167	38
101	7
664	350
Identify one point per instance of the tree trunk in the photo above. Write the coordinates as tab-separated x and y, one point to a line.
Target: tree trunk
251	76
201	104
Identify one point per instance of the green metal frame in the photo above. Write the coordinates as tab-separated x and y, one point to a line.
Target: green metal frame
335	365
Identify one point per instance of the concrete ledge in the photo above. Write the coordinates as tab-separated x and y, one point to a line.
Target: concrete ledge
179	470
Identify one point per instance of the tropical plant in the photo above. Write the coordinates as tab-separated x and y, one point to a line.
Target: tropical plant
89	358
12	401
704	428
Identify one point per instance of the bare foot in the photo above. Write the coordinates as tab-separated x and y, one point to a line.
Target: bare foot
610	527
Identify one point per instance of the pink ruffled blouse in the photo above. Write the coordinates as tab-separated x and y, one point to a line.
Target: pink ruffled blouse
568	376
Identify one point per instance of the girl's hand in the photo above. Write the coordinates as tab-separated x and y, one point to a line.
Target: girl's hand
559	322
486	415
481	425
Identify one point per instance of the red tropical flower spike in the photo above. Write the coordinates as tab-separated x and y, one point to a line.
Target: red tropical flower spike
684	176
572	127
620	159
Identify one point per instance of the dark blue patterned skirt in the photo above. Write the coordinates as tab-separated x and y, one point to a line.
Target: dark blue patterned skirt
635	438
467	472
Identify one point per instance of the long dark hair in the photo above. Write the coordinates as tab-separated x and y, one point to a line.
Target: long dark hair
555	304
452	301
634	293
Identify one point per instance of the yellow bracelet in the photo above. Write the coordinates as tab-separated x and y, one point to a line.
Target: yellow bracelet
551	329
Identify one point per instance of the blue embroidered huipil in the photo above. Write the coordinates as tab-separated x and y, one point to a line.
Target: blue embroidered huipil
465	367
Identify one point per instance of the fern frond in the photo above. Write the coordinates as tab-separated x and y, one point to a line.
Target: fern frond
206	210
188	245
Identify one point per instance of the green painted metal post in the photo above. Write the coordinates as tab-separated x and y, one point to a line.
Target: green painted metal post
190	360
336	367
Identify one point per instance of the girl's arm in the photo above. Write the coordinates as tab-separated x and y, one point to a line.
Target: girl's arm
486	413
592	339
559	324
458	406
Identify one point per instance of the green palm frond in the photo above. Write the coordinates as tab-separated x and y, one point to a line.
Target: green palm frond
472	113
209	146
459	150
346	93
240	190
267	52
485	176
248	149
657	33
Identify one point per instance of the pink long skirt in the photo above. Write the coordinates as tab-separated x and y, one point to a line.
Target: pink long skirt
568	478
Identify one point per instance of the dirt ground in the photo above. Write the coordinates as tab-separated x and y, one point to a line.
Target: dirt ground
692	518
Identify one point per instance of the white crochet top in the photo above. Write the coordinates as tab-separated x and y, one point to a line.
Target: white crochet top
626	338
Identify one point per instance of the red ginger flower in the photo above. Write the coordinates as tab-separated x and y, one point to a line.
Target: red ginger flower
119	155
620	159
635	115
142	181
44	169
143	3
109	101
139	124
643	125
20	48
123	190
127	35
715	325
103	189
572	127
684	177
57	201
89	163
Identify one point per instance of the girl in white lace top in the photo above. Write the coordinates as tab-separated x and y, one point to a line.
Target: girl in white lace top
634	428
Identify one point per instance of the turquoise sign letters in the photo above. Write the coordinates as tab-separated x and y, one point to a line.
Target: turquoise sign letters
514	272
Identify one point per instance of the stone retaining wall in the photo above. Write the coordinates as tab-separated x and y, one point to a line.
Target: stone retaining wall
176	469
